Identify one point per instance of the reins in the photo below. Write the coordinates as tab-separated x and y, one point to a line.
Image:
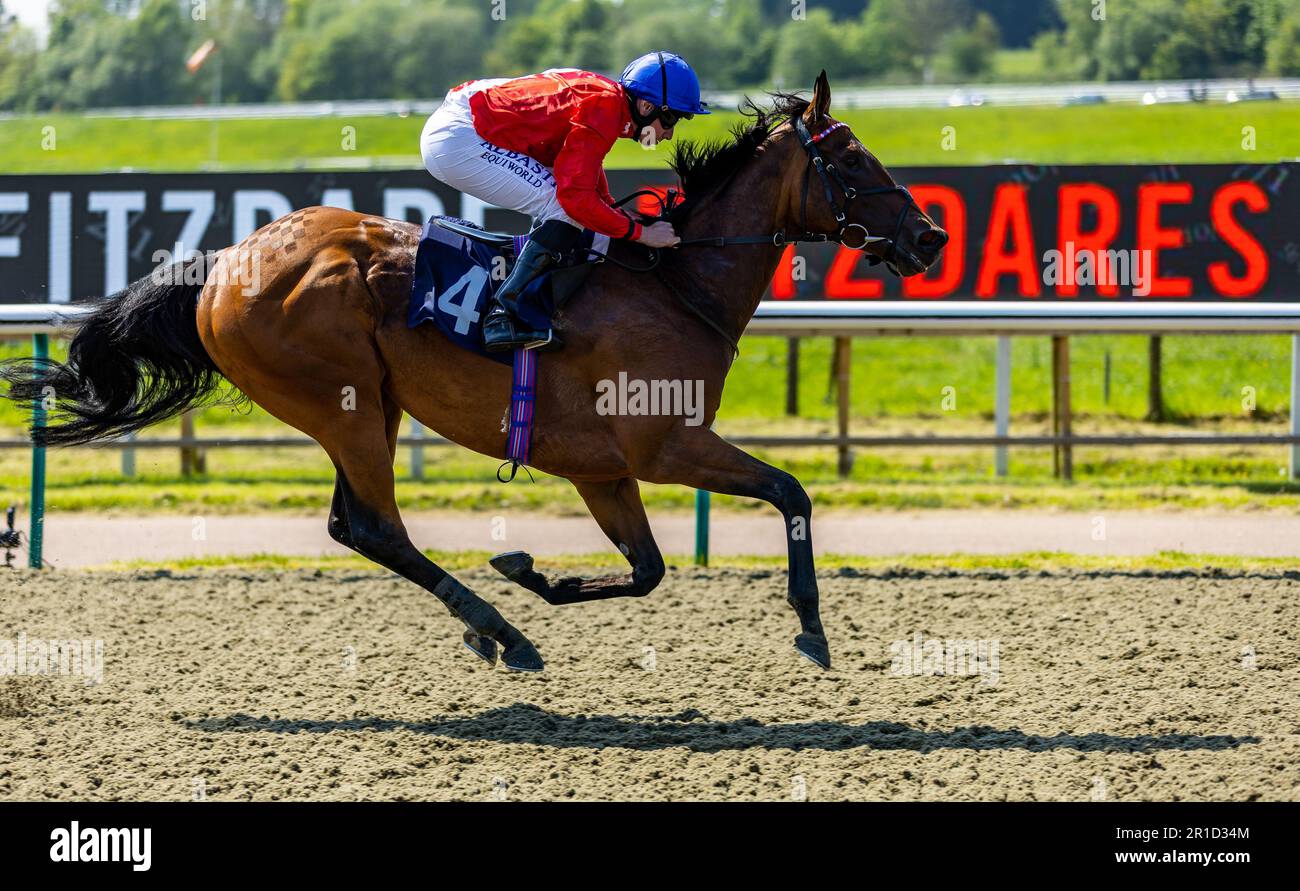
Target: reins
830	177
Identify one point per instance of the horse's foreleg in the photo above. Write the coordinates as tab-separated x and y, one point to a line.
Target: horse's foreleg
699	458
616	506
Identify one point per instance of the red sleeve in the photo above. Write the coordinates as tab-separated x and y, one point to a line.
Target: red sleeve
580	183
608	198
603	189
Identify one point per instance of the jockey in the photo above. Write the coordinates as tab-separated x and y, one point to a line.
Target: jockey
536	144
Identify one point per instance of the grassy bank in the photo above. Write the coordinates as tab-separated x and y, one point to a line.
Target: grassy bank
300	480
905	377
985	135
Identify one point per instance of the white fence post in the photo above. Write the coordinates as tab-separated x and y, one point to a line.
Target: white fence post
1002	404
128	458
417	451
1294	468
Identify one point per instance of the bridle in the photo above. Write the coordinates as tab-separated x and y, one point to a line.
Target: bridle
830	178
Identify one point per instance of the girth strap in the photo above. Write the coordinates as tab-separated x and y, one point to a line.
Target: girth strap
523	402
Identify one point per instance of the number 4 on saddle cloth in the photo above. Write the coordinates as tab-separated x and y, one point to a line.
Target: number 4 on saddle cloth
457	267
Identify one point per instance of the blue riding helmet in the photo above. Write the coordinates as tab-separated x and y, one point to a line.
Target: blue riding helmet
664	79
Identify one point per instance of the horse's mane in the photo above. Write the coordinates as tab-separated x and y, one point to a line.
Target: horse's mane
705	167
704	170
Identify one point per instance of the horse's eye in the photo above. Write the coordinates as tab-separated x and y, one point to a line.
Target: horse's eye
852	161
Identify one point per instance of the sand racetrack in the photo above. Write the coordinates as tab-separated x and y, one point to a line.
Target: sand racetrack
354	685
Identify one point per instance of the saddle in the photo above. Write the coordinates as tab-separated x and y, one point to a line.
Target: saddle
458	265
499	240
565	279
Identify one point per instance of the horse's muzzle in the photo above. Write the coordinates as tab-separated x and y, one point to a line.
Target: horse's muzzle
919	248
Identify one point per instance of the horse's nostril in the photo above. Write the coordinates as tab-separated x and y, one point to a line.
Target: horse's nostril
932	239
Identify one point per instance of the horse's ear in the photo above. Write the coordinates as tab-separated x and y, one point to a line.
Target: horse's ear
820	106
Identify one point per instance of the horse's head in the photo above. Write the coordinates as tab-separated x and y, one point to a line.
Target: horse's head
840	189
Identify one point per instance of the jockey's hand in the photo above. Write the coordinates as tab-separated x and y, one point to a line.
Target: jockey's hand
658	235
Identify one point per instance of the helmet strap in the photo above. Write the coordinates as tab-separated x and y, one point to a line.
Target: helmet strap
644	120
640	120
663	79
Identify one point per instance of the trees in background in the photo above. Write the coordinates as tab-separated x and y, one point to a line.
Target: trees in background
971	52
245	32
99	56
1284	48
340	49
17	56
1151	39
891	40
132	52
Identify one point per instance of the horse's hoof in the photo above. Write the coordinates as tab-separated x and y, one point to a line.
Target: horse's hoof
512	564
522	657
814	648
483	647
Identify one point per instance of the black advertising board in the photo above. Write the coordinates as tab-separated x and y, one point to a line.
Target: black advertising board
1184	232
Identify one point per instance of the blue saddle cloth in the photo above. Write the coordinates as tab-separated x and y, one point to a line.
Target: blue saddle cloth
454	277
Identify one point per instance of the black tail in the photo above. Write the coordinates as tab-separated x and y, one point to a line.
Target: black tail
135	360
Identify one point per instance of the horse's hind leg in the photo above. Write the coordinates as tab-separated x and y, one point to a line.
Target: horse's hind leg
364	517
616	506
338	519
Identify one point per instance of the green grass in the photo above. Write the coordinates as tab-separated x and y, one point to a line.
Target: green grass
904	377
897	388
1029	561
1018	66
1046	135
301	482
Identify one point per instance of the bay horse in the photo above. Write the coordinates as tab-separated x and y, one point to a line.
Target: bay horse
323	345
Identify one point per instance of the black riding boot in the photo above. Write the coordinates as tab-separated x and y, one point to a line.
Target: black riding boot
502	329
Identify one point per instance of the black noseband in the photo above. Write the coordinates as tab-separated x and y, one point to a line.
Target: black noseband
830	178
